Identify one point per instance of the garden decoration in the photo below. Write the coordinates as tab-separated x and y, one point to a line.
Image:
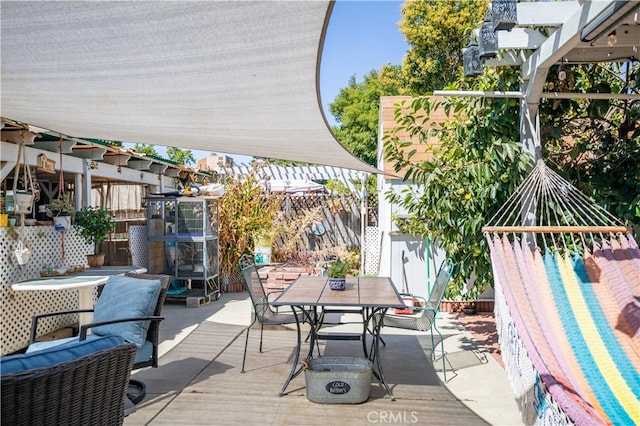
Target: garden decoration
23	252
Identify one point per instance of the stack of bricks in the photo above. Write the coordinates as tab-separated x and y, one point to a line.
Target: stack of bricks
280	278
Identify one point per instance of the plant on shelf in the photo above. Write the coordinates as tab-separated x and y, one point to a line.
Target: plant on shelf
337	272
95	224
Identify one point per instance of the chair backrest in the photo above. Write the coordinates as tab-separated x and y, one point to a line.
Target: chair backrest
440	285
254	286
153	333
424	320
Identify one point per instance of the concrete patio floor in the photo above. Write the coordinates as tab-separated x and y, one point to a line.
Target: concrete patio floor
199	379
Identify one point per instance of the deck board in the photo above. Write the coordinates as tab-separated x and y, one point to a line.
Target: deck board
199	382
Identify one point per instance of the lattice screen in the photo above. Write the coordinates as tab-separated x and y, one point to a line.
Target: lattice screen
139	245
371	250
18	306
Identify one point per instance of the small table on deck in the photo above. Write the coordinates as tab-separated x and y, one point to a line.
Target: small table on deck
373	294
82	281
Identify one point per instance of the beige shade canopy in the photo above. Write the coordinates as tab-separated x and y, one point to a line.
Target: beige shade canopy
230	76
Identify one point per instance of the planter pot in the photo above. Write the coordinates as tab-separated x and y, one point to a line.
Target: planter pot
262	255
23	201
337	283
62	223
95	260
469	310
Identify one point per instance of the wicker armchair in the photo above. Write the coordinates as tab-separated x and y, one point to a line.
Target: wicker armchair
144	358
87	390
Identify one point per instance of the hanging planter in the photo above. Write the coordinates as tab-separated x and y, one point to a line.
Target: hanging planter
23	197
23	201
62	222
61	211
23	254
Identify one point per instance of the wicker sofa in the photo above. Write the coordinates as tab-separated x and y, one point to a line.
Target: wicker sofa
83	383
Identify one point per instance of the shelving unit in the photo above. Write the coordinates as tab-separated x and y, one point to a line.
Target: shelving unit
183	242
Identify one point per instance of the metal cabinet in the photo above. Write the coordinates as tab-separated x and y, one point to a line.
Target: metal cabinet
183	242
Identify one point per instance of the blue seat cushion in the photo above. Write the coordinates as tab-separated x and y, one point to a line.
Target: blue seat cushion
145	353
48	344
126	297
56	354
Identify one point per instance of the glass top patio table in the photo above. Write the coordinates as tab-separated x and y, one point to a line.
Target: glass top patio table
373	294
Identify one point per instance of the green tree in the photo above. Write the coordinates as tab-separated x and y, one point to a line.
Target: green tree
356	109
437	31
477	166
180	156
145	149
596	143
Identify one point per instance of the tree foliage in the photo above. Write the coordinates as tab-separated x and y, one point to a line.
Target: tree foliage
246	211
437	31
596	143
145	149
356	109
181	156
476	167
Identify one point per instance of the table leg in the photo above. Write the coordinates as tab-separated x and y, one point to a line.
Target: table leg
295	370
85	301
375	348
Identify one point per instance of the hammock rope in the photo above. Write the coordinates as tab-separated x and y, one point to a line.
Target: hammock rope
567	278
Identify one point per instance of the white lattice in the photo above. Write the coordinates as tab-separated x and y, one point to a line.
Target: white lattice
47	247
371	250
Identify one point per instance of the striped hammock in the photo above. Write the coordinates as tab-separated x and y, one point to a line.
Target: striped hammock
567	281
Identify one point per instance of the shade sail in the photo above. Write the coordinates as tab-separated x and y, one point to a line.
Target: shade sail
229	76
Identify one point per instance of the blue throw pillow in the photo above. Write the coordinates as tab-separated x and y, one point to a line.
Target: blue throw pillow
126	297
56	354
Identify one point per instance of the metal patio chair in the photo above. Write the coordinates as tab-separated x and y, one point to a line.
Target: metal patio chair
423	317
263	312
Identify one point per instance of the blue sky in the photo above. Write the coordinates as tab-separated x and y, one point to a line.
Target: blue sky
362	35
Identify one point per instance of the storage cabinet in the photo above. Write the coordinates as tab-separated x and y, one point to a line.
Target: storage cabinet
183	242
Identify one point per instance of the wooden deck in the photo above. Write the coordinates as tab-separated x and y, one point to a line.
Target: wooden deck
199	382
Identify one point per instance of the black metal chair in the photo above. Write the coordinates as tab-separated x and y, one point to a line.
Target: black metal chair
147	355
263	312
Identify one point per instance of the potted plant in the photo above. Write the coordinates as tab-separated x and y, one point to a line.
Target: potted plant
95	224
337	273
61	210
262	247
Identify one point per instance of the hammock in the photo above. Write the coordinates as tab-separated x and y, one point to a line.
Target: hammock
567	281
